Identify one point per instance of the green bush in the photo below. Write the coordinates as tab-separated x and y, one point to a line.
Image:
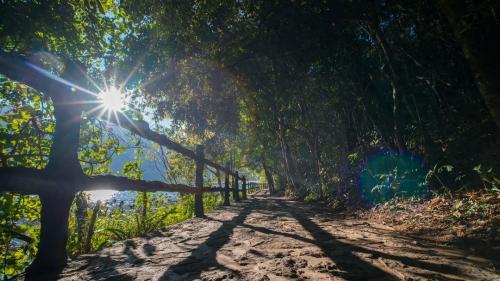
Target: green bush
116	225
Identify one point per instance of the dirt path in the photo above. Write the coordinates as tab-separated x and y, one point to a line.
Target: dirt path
274	239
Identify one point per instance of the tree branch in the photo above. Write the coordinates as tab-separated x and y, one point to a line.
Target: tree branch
24	180
122	184
32	181
142	129
21	69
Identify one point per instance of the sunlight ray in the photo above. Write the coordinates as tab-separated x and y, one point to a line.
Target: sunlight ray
96	109
92	81
151	80
84	102
105	82
116	118
59	79
133	124
102	111
109	114
132	72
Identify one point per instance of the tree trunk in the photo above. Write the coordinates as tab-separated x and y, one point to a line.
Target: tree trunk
317	163
244	188
281	181
312	140
226	187
236	191
90	232
81	218
288	162
395	81
51	256
63	163
343	162
219	182
198	197
144	211
269	178
478	32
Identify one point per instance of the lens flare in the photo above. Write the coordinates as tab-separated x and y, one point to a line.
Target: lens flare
388	175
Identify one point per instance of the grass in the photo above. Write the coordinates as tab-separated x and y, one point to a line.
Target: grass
112	226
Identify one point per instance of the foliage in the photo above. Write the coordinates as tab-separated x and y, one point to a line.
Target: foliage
490	180
319	81
387	176
19	227
98	146
25	126
90	31
116	224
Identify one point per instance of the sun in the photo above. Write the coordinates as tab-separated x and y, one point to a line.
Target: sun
113	99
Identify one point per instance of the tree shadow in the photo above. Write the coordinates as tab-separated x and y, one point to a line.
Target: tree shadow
472	246
106	267
354	267
148	249
102	268
204	257
109	270
44	276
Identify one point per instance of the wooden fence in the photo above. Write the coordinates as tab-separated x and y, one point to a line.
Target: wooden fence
63	177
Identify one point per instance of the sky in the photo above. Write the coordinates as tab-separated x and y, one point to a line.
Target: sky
149	169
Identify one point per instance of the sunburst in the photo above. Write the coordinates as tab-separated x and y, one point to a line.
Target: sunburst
112	99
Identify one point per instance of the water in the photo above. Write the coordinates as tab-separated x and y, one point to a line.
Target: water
101	195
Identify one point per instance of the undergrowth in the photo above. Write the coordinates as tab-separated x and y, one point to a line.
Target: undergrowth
116	225
445	217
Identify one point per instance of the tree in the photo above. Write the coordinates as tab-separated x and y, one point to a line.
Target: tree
477	29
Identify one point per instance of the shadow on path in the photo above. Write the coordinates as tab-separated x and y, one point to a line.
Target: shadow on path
353	267
204	257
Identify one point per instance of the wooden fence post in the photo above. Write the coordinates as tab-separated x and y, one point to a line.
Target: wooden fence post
198	197
244	188
236	195
226	187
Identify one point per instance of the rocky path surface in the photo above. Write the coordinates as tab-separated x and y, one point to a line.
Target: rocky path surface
275	239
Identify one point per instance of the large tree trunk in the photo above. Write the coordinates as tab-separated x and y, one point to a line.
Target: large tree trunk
477	29
63	164
51	256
